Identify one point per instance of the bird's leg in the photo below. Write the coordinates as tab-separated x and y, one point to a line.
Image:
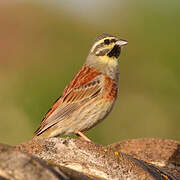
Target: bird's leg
80	134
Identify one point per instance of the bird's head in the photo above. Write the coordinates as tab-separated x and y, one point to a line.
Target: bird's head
107	48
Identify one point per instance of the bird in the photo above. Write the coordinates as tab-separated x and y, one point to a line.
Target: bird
90	95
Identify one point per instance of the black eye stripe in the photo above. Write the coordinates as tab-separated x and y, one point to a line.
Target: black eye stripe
106	41
113	40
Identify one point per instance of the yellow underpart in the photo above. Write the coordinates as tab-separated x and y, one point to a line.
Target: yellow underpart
100	41
111	61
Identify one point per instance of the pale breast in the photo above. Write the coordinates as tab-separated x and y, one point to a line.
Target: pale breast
89	115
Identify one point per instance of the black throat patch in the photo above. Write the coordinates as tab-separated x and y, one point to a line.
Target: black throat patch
115	52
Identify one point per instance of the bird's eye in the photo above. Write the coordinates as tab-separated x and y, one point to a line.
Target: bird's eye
106	41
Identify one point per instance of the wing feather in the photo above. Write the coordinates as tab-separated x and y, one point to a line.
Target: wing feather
70	101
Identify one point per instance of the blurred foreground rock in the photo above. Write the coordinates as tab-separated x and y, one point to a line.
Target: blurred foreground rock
22	166
65	158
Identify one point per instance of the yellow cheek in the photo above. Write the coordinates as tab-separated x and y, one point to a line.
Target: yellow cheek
110	46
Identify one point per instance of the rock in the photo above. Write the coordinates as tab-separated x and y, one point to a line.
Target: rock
93	160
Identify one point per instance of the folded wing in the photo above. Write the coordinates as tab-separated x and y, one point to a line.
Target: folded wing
72	99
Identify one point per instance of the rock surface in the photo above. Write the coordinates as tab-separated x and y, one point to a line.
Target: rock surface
75	159
93	160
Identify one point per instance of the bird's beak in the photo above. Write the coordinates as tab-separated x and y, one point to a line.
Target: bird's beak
121	42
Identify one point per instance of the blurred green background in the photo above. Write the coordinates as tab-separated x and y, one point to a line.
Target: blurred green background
43	43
